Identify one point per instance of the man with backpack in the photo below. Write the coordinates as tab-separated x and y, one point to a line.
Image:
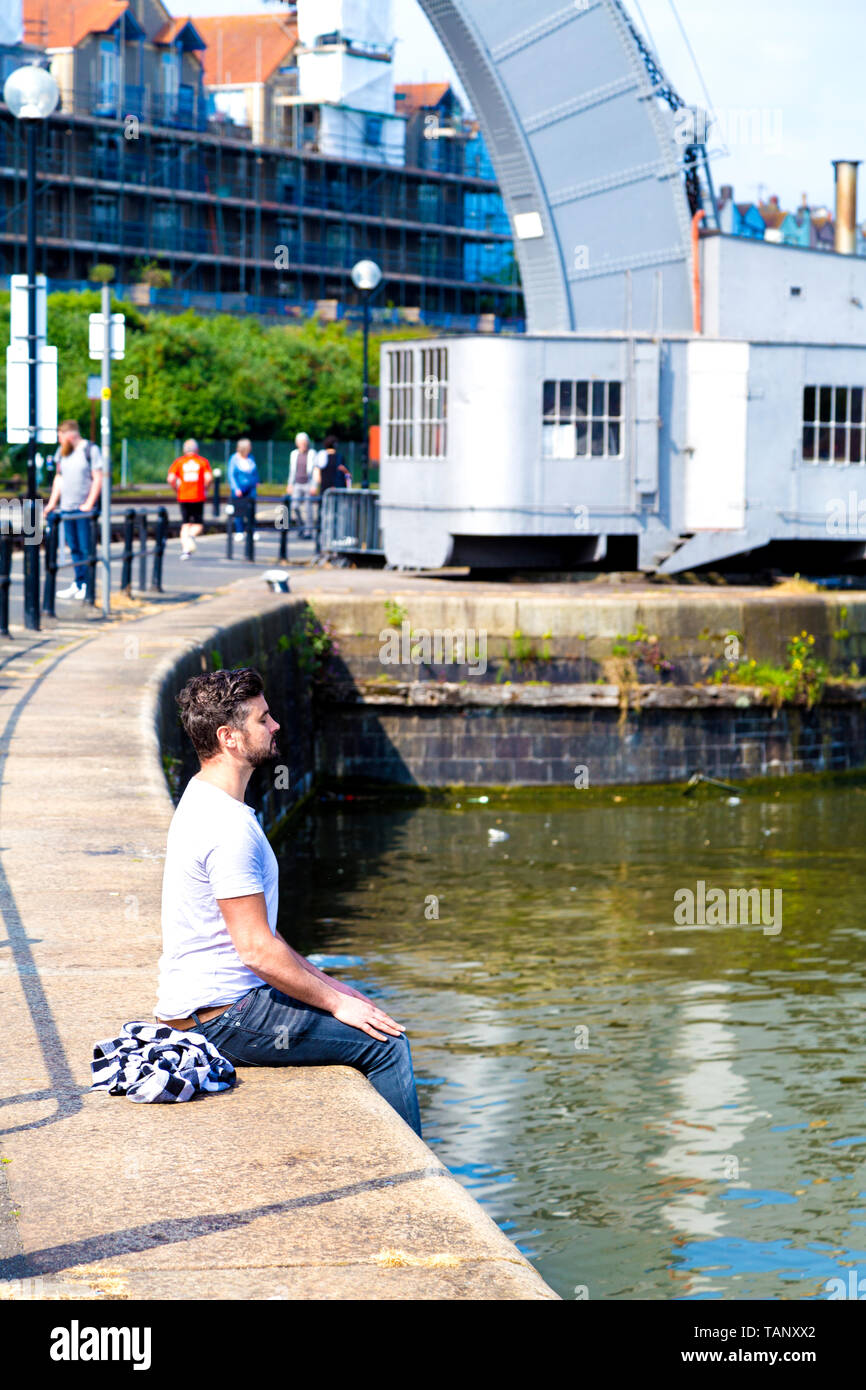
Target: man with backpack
76	488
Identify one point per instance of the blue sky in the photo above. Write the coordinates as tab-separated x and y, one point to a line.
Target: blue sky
785	81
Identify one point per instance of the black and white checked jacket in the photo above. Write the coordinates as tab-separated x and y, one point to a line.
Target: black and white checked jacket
154	1063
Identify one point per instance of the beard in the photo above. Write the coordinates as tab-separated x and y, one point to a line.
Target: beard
263	755
66	448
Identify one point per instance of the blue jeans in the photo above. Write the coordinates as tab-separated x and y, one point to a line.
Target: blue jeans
242	507
77	536
268	1029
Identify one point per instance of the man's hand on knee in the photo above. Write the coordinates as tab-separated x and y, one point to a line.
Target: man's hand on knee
359	1013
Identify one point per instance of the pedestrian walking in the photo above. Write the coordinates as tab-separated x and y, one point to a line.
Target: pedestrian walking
77	487
302	462
243	481
190	475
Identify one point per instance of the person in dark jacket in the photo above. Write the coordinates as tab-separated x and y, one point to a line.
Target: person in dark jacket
330	470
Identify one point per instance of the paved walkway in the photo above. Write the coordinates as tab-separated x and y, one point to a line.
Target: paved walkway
300	1183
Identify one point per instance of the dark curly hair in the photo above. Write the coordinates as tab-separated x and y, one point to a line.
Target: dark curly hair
220	697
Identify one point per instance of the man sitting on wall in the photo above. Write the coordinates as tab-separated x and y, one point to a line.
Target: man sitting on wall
224	971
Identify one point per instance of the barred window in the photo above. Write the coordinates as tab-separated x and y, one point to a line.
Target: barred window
833	424
582	419
401	403
433	433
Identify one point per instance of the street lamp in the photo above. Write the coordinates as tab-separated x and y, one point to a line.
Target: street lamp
31	94
366	277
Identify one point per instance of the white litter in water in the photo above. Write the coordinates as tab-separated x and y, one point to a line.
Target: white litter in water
733	801
481	800
493	835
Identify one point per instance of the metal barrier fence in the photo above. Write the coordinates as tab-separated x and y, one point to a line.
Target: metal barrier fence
349	523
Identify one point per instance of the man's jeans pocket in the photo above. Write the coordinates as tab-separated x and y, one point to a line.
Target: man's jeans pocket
262	1027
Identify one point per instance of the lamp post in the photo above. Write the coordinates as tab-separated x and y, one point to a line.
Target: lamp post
366	277
31	94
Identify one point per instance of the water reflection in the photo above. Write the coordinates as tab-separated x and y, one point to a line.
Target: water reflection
650	1110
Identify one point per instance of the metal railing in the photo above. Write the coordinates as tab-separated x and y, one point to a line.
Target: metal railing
135	526
349	523
52	565
184	109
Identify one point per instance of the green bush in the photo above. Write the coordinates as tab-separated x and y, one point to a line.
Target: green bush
213	377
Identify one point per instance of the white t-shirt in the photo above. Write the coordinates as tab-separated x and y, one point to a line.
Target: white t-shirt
215	849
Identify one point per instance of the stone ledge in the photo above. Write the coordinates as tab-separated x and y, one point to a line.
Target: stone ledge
437	694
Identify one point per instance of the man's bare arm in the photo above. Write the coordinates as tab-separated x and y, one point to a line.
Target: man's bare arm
272	960
93	495
54	496
322	975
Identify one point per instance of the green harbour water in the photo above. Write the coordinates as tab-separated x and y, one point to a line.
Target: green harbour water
649	1109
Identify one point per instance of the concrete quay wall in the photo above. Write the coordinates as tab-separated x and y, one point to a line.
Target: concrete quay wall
569	635
535	736
556	694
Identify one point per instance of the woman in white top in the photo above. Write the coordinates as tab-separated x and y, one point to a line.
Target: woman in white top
302	461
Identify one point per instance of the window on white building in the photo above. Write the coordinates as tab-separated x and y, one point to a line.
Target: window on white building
401	403
433	431
582	419
833	424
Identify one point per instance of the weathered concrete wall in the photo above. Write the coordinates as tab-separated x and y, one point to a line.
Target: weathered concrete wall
491	736
572	635
534	721
365	723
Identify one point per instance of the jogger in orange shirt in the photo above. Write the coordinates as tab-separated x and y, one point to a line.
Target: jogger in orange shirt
190	476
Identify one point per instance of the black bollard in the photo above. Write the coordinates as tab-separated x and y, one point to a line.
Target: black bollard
52	540
5	580
249	528
284	517
142	551
92	533
216	494
318	533
159	548
128	543
230	534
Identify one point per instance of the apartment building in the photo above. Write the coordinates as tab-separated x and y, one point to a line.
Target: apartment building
198	145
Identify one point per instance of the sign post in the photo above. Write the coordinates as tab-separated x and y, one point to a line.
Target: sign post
31	401
94	394
107	340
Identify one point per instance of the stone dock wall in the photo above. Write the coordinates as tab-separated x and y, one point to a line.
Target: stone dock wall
522	722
